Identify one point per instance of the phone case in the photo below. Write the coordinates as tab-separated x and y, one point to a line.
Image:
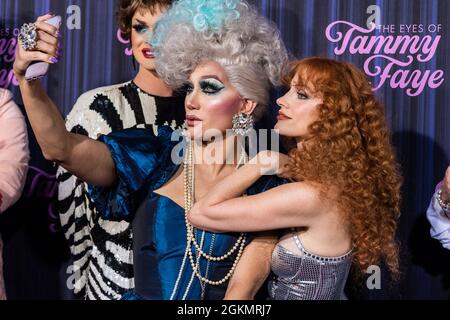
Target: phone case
37	70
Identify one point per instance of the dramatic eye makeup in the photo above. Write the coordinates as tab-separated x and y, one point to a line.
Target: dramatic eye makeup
140	26
211	86
188	88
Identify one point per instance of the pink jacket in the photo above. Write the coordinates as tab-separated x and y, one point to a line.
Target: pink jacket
14	157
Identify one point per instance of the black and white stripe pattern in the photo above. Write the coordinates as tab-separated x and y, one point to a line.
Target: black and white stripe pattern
102	249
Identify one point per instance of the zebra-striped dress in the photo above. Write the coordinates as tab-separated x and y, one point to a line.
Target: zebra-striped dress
102	249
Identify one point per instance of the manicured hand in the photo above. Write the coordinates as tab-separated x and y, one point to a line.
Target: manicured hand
47	48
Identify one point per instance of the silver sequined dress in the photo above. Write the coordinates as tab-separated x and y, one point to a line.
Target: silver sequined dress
301	275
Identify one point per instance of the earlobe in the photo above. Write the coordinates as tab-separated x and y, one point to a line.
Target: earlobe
249	106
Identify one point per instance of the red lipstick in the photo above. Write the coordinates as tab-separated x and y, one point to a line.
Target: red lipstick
147	52
282	116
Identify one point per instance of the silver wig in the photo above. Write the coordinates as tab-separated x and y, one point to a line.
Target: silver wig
230	32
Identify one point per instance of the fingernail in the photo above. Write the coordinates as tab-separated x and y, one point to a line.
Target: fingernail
54	60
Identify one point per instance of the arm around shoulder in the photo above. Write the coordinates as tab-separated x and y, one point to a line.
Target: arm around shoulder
290	205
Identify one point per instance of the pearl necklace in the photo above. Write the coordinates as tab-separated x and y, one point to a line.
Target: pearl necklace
189	187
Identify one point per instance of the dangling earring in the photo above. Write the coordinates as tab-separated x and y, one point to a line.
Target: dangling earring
243	156
242	123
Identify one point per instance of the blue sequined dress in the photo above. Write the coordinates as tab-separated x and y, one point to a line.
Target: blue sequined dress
162	270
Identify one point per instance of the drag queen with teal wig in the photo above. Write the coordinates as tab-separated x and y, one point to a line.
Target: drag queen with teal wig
226	57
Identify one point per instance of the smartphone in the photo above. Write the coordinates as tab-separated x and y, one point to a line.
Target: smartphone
38	69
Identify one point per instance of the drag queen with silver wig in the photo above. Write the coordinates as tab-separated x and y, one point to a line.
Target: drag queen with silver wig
226	57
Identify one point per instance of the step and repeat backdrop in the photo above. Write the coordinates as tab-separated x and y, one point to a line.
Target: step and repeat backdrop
402	45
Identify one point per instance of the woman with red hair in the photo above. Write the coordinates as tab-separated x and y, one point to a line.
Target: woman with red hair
342	205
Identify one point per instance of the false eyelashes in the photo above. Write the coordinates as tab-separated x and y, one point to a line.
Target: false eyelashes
207	86
211	86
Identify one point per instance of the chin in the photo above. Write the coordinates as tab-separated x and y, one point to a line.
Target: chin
147	64
283	131
205	136
279	126
194	134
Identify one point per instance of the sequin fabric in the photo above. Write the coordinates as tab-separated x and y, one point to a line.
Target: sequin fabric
301	275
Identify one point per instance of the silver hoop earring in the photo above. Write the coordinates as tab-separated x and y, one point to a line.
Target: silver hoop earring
242	123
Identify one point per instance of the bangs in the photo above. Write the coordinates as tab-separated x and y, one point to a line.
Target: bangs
312	74
152	7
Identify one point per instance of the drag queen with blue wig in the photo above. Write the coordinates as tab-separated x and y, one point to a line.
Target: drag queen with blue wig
226	57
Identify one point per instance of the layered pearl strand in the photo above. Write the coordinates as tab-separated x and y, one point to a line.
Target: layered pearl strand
189	188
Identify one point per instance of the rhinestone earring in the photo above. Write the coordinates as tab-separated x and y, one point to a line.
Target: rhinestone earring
242	123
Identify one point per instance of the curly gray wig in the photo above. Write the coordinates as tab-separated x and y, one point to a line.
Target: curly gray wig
230	32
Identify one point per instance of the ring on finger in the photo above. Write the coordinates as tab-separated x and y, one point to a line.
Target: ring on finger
28	36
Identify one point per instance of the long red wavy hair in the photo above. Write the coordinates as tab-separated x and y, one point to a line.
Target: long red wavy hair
349	149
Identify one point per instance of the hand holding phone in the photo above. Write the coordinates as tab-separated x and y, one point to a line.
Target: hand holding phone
39	69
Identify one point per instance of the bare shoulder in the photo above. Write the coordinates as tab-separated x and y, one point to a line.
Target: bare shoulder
308	196
301	190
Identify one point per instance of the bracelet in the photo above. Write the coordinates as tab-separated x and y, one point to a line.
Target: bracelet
444	205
